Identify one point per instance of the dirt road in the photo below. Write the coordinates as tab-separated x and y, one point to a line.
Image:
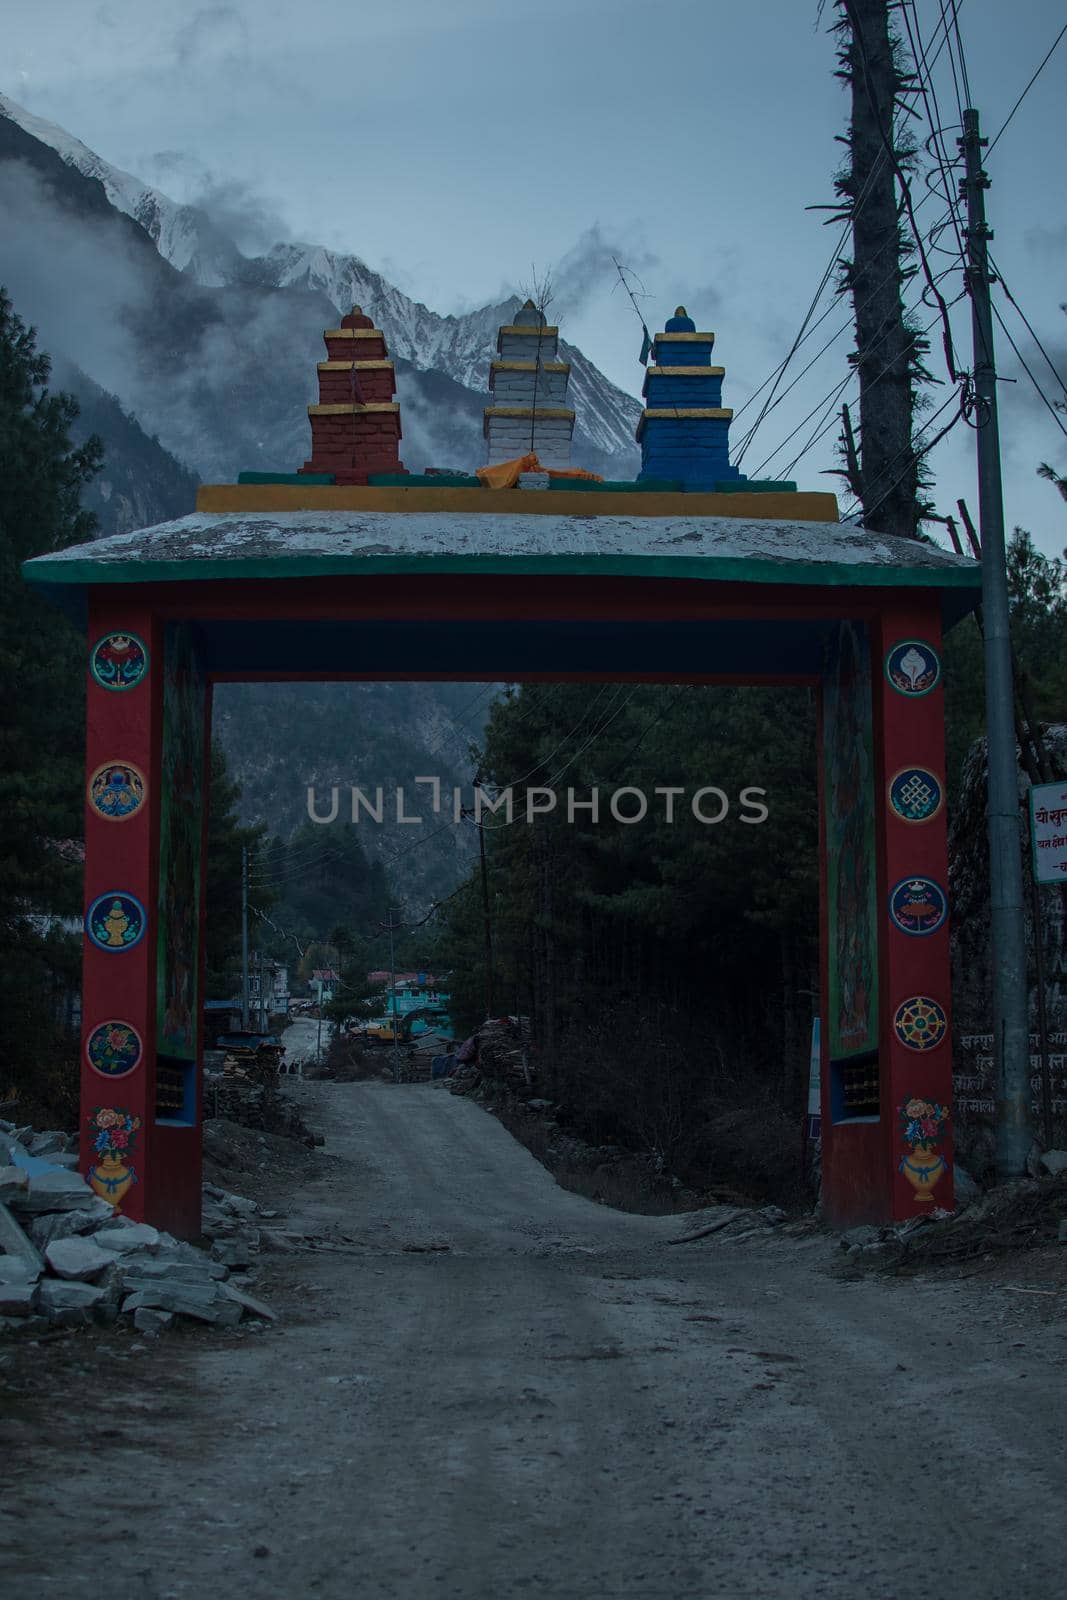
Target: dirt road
560	1405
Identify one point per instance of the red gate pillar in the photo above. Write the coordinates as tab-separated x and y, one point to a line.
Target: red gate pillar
146	761
915	1044
124	703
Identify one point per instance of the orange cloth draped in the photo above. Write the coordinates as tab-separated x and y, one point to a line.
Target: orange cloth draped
505	474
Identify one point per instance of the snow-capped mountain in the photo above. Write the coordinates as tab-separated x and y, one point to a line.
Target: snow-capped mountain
458	347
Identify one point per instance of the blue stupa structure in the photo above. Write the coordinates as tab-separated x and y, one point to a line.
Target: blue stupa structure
684	429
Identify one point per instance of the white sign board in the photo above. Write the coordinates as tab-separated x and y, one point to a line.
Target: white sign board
1048	831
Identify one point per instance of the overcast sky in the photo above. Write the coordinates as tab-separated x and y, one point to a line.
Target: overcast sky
460	145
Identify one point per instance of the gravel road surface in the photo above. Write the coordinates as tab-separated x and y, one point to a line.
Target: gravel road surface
559	1405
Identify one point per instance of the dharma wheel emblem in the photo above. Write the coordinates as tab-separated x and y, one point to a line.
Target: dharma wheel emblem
115	921
118	661
913	667
114	1049
920	1023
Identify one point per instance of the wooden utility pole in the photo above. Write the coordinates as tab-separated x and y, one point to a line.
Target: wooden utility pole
883	473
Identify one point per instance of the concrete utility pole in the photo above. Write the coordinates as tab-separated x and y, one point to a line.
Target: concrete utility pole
1011	1021
392	991
244	938
488	926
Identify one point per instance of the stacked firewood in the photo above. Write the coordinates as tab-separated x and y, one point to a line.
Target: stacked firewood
503	1056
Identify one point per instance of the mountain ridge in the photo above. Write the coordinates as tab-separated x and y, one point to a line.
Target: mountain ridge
459	347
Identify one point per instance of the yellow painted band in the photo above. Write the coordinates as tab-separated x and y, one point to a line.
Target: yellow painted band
361	366
529	366
529	411
352	410
685	372
278	498
686	411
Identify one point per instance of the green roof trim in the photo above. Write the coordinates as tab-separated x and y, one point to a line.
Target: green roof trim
420	480
755	486
301	479
44	571
609	486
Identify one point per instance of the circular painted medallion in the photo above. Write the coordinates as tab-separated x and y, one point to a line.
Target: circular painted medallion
915	794
119	661
116	790
913	668
920	1023
114	1049
918	905
115	921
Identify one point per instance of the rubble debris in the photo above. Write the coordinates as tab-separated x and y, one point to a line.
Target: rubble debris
69	1260
17	1299
123	1236
151	1322
54	1189
751	1219
14	1181
1054	1162
16	1269
250	1097
202	1302
78	1258
1021	1215
13	1242
65	1224
74	1305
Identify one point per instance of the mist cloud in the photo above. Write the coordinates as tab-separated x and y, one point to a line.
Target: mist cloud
73	277
228	208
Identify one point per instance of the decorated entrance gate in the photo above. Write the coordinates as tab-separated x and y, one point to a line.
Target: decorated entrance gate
318	581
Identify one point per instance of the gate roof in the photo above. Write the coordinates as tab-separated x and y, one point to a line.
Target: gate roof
266	547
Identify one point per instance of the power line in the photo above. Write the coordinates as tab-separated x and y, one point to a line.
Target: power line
802	333
913	456
834	395
1051	409
1026	324
844	328
928	91
951	218
951	57
1026	91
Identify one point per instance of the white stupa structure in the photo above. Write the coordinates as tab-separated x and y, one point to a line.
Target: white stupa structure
528	390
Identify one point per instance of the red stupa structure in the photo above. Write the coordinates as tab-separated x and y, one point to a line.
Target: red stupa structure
355	428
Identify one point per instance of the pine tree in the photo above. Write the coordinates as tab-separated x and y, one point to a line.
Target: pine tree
42	675
226	839
885	474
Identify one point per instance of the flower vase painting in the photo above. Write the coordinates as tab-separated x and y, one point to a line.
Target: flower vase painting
114	1134
923	1126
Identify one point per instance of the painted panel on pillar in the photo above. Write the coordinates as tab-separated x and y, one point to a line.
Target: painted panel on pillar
923	1127
848	755
181	800
113	1133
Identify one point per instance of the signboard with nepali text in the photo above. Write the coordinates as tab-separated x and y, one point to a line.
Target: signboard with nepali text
1048	831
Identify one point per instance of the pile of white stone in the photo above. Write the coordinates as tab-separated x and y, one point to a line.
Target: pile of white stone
67	1259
